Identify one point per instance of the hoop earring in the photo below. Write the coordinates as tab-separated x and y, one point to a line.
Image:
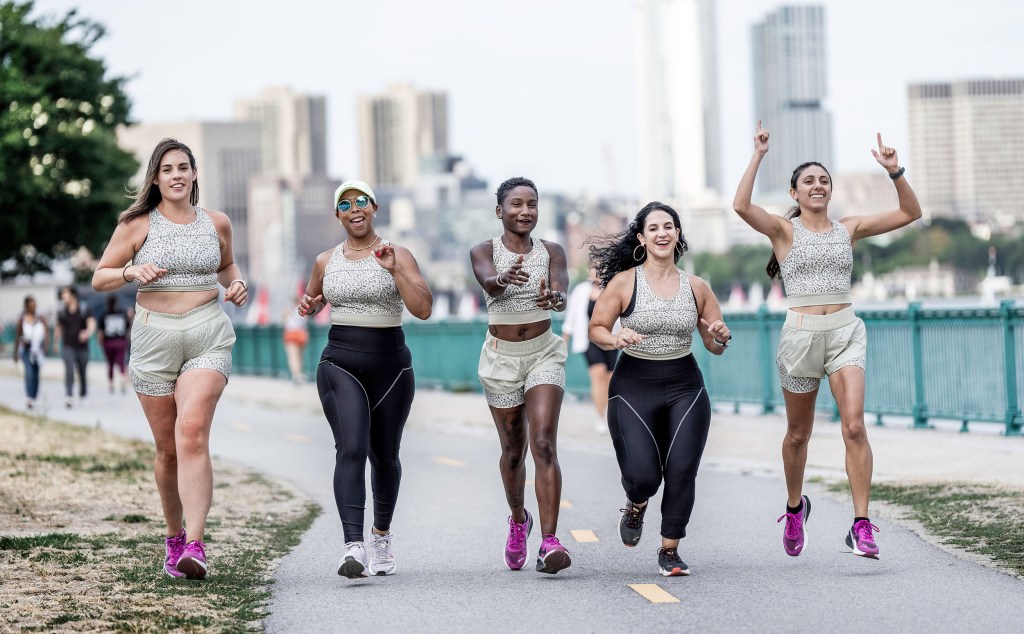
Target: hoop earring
639	258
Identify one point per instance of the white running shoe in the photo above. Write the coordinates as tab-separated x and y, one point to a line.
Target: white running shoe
382	560
353	562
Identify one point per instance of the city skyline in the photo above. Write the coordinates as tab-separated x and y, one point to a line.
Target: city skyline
543	91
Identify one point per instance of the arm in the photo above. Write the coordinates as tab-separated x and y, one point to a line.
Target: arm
490	279
113	270
413	289
229	275
313	300
886	221
613	300
90	327
17	338
757	217
46	334
710	326
552	295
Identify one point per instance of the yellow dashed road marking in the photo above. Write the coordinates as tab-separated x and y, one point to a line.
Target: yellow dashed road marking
584	535
241	427
297	438
653	593
565	504
448	462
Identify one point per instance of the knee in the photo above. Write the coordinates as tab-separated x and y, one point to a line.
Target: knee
641	487
167	455
797	438
192	439
854	431
513	457
544	451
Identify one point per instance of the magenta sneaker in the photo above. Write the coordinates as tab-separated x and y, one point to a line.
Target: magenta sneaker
794	538
552	556
175	546
860	540
192	563
515	547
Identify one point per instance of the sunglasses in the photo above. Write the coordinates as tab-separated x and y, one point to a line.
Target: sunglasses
345	205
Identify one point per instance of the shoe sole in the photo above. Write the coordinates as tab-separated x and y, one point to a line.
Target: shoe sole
554	561
377	572
172	572
352	568
675	572
191	568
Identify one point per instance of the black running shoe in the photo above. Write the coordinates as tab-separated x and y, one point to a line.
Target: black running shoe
631	525
669	563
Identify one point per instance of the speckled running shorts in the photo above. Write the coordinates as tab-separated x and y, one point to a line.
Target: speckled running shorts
812	346
509	368
164	346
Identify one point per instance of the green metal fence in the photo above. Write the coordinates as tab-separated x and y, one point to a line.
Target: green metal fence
954	364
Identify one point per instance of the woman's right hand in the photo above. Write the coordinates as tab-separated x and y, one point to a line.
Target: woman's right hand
144	273
627	337
310	305
761	140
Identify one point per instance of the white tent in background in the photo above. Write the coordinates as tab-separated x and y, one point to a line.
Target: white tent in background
756	295
468	307
737	298
776	300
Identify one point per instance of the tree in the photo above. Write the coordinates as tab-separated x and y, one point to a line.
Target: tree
62	174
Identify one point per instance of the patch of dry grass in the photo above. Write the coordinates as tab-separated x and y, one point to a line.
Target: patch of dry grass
81	537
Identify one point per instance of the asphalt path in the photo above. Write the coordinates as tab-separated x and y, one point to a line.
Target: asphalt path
451	524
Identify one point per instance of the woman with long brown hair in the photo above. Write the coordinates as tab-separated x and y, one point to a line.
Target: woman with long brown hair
177	253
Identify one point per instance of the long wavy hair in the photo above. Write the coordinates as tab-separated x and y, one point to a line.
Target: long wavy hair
612	254
147	196
773	262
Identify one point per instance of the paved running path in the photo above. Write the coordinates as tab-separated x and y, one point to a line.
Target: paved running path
451	524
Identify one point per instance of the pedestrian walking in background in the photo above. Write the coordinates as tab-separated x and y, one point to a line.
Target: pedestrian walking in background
365	377
75	325
296	337
576	332
813	254
31	342
659	411
177	253
113	334
522	366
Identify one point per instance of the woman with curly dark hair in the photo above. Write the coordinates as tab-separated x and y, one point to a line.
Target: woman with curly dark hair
658	409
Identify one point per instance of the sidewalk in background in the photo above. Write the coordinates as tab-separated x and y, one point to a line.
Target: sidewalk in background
737	442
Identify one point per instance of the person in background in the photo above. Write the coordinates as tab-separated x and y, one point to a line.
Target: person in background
575	331
75	324
296	337
31	341
113	334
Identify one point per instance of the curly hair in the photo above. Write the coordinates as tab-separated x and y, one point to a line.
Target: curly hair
772	269
612	254
517	181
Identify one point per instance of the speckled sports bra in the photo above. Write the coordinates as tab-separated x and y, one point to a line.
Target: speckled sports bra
190	253
667	324
518	304
818	268
361	292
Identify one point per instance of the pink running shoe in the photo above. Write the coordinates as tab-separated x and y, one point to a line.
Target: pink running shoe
552	556
175	546
515	547
192	563
794	538
860	540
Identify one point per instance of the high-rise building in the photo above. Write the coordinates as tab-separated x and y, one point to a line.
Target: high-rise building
403	133
789	67
967	147
677	108
227	155
294	131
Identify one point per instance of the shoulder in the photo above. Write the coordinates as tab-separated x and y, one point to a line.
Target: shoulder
219	219
697	283
402	252
553	247
325	257
623	280
485	248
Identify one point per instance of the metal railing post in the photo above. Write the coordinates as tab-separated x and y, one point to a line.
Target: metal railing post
920	405
767	361
1013	415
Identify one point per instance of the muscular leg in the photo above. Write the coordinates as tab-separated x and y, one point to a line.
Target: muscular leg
161	413
196	395
799	421
848	389
543	406
511	424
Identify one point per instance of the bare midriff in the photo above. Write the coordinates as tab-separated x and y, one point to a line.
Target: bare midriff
824	309
175	302
519	332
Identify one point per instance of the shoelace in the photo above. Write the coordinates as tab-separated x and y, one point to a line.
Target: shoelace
516	536
671	554
550	542
863	531
635	519
793	524
382	546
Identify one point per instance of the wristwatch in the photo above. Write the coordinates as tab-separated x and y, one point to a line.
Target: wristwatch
897	173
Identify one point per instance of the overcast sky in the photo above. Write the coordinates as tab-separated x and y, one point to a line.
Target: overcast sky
541	88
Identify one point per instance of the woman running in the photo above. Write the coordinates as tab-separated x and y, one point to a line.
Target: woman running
658	409
365	377
522	366
177	253
822	336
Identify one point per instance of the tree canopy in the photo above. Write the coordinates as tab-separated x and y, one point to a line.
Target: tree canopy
62	174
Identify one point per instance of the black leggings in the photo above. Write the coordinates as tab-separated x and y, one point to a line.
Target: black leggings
658	415
366	386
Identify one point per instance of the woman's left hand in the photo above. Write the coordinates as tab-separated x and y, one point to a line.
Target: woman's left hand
385	255
718	329
236	293
886	156
548	299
